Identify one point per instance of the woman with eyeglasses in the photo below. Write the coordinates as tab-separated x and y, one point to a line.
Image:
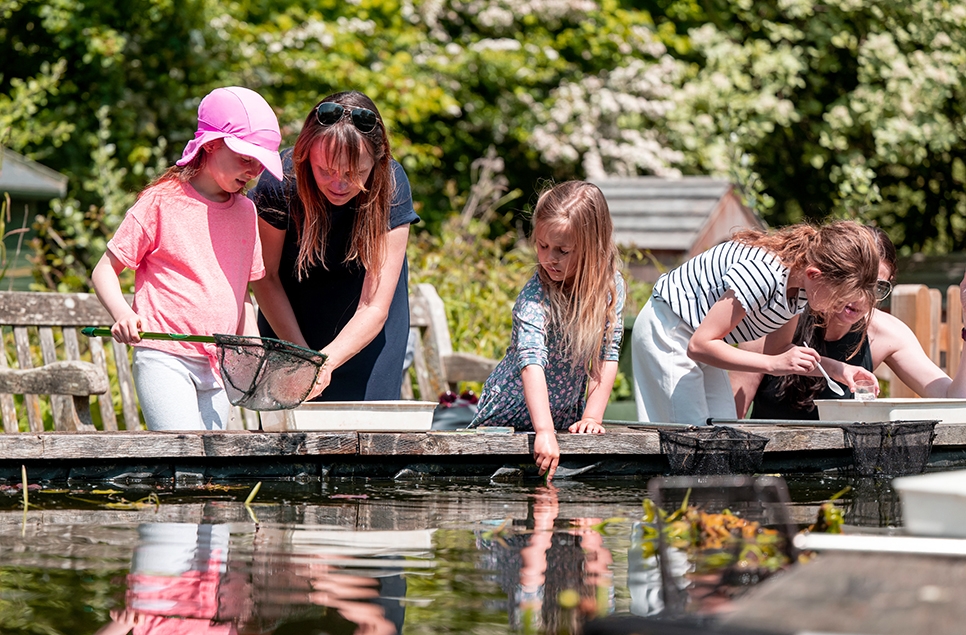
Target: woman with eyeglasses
845	342
334	233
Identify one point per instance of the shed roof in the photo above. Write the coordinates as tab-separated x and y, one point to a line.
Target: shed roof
658	213
25	179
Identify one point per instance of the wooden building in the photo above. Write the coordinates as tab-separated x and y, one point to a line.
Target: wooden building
26	183
671	220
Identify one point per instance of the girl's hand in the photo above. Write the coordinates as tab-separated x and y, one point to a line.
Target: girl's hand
587	426
546	452
795	361
127	330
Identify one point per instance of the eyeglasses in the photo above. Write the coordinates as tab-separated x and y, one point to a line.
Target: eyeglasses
329	113
883	289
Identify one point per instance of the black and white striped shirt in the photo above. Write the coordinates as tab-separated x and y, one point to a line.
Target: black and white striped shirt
757	277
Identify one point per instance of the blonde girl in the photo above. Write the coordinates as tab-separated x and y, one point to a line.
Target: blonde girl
560	367
739	291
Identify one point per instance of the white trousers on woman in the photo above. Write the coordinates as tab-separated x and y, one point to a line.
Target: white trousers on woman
179	393
669	386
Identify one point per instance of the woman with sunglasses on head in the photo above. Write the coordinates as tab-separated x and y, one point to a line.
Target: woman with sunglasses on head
849	346
334	233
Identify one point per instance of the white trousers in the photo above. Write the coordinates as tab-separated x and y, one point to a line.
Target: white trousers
179	393
669	386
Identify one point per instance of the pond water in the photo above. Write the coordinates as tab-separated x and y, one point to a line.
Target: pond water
347	556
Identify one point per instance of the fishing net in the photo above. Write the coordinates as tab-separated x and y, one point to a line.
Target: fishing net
890	448
712	450
261	373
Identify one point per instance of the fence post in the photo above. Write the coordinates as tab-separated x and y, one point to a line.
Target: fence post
911	303
954	322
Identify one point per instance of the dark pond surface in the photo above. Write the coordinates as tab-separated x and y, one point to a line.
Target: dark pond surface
346	556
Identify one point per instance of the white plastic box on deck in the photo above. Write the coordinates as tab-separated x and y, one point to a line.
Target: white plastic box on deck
892	409
934	504
362	416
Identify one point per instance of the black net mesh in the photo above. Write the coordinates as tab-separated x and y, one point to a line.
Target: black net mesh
261	373
890	448
713	450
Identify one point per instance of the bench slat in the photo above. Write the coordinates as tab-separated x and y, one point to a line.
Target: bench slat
25	361
105	403
125	382
7	407
61	406
30	308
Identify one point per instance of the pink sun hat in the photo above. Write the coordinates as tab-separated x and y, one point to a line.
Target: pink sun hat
244	120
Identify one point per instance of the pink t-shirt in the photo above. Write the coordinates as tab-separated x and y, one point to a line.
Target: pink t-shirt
194	259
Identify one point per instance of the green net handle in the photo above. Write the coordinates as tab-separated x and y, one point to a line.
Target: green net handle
91	331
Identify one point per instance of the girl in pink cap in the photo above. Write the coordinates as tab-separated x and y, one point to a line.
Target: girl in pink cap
192	239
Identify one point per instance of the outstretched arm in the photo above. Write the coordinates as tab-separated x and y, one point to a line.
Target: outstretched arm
546	452
707	345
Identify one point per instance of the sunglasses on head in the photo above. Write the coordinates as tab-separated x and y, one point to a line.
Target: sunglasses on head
883	288
329	113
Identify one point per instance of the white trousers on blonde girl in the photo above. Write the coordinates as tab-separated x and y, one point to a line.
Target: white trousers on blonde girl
669	386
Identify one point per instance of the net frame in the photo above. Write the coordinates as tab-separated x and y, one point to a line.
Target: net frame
712	450
264	373
890	448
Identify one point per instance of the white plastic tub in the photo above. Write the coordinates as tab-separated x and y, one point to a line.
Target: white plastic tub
934	504
892	409
363	416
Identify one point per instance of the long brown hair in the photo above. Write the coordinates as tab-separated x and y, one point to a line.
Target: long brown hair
583	310
345	145
843	251
801	390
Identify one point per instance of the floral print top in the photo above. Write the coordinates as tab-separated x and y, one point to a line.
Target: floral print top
502	402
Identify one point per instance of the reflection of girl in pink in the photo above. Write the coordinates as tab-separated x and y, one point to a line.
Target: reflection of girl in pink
178	583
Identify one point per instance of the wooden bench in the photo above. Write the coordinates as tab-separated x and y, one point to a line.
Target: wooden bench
437	367
56	370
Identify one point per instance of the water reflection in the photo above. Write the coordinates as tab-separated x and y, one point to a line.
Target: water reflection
354	557
553	577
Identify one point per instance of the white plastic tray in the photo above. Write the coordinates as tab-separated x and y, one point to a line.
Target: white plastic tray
934	504
363	416
892	409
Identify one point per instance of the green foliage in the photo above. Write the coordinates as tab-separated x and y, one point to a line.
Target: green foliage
479	279
842	109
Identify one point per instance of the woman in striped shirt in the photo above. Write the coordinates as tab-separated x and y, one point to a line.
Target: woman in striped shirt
739	291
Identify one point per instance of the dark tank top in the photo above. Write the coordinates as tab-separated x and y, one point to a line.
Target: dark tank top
767	405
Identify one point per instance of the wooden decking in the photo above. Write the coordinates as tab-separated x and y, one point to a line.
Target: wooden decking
248	454
888	594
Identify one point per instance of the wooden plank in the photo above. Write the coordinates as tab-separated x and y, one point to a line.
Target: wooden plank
22	446
467	367
25	360
105	403
127	445
61	406
244	443
441	443
25	308
858	593
935	317
8	408
125	383
71	345
954	327
910	304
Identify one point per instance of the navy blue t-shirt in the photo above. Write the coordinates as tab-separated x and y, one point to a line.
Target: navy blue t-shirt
326	298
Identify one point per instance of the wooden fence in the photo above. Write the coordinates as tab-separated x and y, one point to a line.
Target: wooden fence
937	330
